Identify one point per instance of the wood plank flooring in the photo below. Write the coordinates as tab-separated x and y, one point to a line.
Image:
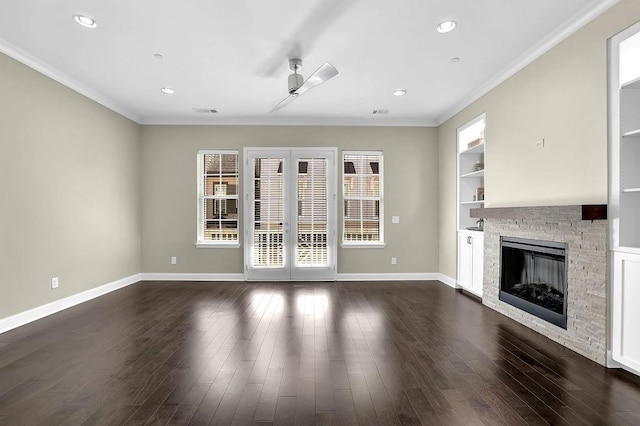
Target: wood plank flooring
384	353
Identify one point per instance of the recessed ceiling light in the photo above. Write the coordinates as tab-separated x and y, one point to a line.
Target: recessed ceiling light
454	60
158	56
85	21
399	93
167	90
446	26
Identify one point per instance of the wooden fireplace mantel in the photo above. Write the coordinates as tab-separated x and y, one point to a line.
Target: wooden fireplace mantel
576	212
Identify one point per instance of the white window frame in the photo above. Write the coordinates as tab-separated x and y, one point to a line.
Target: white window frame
200	241
364	244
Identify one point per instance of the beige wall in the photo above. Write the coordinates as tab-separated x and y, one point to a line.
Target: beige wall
169	194
72	173
561	98
69	191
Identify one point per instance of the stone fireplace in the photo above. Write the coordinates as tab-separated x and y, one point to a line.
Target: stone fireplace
583	234
533	277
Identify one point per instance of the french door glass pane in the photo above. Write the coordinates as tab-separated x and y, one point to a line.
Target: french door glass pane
311	233
268	181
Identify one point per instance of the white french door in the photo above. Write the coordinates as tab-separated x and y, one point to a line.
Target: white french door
290	213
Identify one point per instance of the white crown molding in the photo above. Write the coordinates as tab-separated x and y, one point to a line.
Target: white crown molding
51	72
573	24
22	318
161	276
288	121
577	21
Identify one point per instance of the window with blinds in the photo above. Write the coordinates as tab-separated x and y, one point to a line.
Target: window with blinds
362	198
218	197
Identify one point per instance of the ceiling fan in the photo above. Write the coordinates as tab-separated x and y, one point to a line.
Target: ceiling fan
296	85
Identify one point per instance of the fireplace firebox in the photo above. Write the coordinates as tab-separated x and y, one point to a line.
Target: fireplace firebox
533	277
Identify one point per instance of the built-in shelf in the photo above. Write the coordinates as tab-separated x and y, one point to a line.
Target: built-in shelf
624	197
633	84
470	196
627	190
478	149
478	173
632	134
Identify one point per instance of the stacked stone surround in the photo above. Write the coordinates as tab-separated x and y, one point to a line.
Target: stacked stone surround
586	331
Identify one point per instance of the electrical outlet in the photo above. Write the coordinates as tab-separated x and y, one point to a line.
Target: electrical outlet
395	219
174	260
394	260
54	282
539	144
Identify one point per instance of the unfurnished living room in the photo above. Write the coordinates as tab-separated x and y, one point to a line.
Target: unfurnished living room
445	230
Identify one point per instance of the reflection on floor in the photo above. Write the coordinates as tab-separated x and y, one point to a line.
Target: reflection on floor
299	353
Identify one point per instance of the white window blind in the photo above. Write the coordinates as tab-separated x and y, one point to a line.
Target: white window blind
362	198
268	213
218	197
311	247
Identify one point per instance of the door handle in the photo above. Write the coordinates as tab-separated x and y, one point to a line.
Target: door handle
469	239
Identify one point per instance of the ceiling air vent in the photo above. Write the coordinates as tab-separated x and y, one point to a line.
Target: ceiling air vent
380	111
206	110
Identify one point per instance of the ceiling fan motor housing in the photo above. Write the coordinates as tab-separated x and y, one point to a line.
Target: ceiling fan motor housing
295	81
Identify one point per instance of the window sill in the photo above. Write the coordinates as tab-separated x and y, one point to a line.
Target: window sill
217	245
363	245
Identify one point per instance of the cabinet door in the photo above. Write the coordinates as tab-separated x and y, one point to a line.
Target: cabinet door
478	263
626	315
465	260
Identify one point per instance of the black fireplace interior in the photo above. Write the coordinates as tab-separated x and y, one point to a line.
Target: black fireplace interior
533	277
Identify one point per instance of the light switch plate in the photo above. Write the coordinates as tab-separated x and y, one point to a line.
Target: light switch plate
395	219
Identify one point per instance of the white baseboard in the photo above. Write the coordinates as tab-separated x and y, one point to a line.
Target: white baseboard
152	276
419	276
22	318
611	363
451	282
408	276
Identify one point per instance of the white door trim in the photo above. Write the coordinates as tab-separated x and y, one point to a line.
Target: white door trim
290	272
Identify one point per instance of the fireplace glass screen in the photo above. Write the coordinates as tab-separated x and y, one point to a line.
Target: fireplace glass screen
533	277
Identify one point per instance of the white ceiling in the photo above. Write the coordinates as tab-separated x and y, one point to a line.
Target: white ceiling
217	54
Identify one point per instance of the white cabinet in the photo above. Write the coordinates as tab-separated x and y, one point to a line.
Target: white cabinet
471	261
470	173
626	312
624	196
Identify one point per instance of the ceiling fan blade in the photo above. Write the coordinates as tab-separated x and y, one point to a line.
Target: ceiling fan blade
299	42
322	74
286	101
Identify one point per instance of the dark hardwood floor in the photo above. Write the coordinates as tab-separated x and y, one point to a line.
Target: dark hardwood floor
299	353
